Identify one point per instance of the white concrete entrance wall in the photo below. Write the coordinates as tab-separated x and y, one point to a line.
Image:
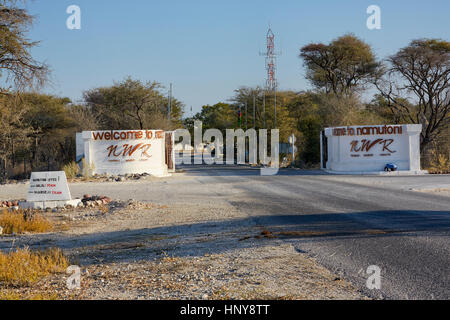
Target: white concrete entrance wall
118	152
367	149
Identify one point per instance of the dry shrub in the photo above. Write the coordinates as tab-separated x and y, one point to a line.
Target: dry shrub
345	111
439	156
440	164
24	267
104	209
87	169
71	169
18	222
8	295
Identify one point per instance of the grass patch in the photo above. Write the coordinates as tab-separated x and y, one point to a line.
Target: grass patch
439	162
17	296
71	169
87	169
20	222
24	267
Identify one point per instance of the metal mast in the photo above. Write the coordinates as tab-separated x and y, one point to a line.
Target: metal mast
271	80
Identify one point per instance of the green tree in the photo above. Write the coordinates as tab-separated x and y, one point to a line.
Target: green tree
14	133
341	67
315	111
305	109
264	102
220	116
246	98
386	110
133	104
52	130
18	71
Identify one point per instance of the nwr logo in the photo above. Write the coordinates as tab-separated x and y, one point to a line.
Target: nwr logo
128	150
366	145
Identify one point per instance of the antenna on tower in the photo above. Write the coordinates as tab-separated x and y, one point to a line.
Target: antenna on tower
271	67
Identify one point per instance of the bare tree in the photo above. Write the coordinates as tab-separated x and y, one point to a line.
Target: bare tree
86	120
132	104
416	86
16	62
14	131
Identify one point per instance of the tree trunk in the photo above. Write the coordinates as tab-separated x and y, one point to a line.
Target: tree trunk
13	157
36	152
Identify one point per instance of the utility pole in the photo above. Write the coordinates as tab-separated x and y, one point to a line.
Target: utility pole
169	106
240	117
254	110
264	108
246	116
275	98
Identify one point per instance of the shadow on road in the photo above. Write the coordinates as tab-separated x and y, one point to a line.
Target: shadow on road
243	170
220	236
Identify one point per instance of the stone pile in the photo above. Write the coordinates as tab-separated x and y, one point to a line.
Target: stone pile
94	201
9	204
128	177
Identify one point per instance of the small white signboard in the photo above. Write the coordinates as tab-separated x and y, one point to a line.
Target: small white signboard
48	186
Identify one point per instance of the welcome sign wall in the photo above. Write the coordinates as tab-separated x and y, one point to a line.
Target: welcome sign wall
364	149
123	151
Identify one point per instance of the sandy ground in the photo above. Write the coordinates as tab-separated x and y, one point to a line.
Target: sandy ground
169	247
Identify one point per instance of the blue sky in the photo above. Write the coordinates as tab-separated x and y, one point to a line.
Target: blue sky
207	49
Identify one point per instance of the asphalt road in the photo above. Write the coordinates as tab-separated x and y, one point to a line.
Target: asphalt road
349	223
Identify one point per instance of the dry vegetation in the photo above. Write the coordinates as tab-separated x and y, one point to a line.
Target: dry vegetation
11	295
24	267
21	221
71	169
440	164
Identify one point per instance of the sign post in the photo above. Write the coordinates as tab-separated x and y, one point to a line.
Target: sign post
48	190
48	186
292	140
